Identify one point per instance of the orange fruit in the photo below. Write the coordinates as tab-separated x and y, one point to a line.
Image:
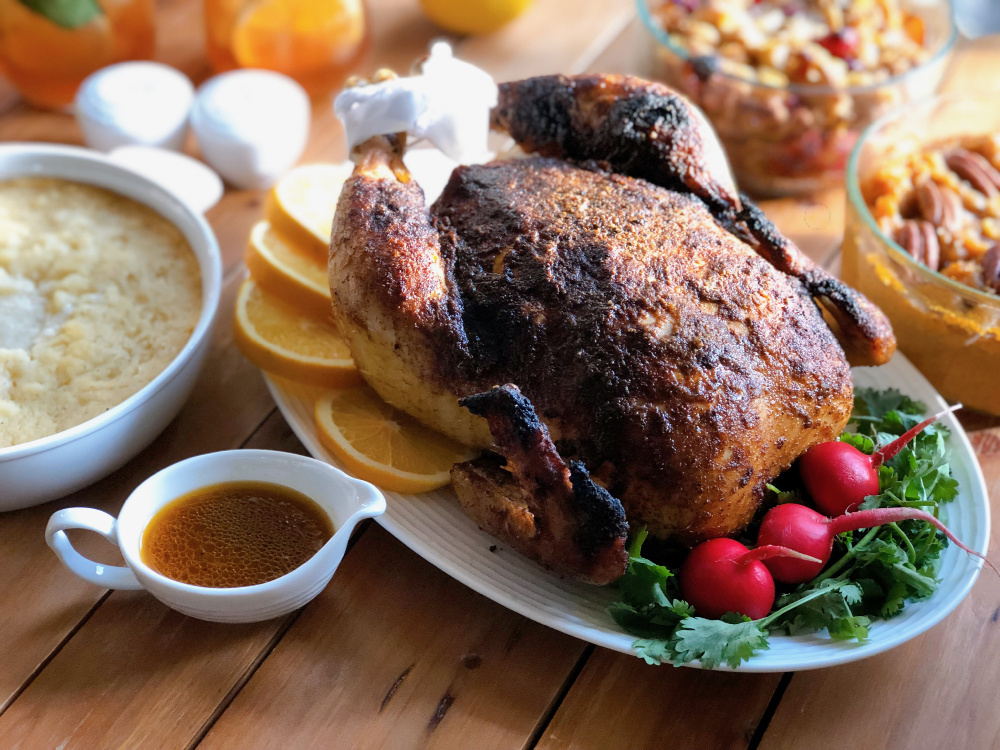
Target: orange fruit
282	270
382	445
298	37
33	42
283	341
301	206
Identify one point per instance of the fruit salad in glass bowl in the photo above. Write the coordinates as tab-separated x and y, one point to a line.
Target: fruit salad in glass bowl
790	84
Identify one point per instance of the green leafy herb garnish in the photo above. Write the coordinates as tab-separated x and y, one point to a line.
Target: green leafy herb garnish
872	573
69	14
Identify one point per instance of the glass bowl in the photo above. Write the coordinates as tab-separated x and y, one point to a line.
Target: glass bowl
794	139
950	331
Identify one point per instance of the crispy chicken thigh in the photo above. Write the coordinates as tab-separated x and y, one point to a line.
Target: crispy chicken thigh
550	510
673	343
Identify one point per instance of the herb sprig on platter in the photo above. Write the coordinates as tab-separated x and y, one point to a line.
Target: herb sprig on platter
872	573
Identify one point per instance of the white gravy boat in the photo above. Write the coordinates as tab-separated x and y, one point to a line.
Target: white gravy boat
345	500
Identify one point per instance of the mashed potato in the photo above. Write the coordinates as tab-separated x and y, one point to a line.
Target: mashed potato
98	294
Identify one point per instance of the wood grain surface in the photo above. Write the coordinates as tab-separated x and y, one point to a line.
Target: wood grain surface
433	664
394	654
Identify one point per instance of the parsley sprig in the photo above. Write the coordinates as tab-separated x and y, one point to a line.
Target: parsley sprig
872	573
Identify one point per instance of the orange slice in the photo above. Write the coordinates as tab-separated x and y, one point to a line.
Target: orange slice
382	445
301	206
280	269
281	340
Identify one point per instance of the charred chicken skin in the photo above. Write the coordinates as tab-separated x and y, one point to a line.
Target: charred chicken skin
671	341
549	509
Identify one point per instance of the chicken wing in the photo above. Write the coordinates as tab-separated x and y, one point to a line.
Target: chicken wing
549	510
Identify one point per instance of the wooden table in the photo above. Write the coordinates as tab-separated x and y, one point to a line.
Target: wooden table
394	653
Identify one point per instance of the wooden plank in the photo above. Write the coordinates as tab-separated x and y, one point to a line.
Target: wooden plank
551	37
973	68
625	54
40	601
396	654
936	691
814	223
137	675
620	701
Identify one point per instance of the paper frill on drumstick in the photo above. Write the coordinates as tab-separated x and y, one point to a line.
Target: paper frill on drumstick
448	103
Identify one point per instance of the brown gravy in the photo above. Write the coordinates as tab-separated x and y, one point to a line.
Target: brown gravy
234	534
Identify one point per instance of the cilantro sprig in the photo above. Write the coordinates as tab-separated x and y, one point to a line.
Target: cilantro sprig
872	573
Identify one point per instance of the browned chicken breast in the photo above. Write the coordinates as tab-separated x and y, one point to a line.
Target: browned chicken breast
670	339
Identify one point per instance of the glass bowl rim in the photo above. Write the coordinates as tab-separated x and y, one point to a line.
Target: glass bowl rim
661	36
857	201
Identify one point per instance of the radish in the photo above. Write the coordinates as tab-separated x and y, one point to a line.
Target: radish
802	529
721	575
839	477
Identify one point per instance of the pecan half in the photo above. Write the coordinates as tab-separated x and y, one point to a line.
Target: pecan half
932	248
954	211
930	201
919	239
991	267
975	170
939	205
908	237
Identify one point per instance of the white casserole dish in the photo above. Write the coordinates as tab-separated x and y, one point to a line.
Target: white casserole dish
44	469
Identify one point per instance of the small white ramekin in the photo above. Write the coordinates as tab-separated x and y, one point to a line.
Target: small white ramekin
44	469
345	499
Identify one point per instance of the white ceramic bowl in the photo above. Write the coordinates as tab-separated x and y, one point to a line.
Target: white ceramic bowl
44	469
345	500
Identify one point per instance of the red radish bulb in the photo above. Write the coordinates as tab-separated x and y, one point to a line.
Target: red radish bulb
802	529
838	477
721	575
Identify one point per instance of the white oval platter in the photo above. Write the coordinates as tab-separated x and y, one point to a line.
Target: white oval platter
433	526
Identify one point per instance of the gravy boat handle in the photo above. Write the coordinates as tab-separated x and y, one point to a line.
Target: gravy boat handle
91	519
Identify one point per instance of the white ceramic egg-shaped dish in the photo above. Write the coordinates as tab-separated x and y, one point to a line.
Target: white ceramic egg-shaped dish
40	470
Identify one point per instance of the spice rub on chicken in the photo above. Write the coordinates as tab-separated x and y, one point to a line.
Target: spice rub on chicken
669	338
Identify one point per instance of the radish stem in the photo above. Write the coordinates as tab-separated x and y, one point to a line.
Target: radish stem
773	550
887	452
848	556
765	621
911	553
865	519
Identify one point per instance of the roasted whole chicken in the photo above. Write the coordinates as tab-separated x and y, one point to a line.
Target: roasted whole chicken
609	315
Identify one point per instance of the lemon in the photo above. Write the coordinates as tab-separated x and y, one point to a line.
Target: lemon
382	445
473	16
281	340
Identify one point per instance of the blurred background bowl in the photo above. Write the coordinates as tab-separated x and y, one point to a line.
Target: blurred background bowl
950	331
794	139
